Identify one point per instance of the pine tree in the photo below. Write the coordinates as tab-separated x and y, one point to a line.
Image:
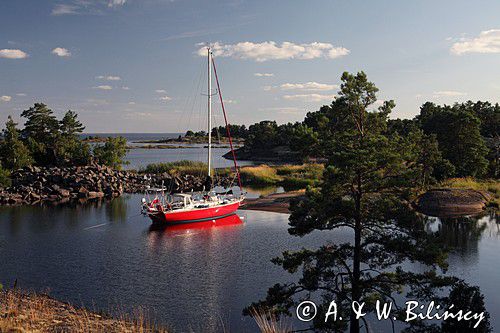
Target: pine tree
71	150
366	188
41	132
14	154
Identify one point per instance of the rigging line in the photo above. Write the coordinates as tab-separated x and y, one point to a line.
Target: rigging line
227	125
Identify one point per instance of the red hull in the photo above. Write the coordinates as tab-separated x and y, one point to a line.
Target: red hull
195	215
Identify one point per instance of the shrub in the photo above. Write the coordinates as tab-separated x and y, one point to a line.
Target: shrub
112	152
4	177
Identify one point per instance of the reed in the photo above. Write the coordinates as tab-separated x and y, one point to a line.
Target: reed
176	168
269	323
289	176
22	311
31	312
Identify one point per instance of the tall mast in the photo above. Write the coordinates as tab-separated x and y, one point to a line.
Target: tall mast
209	63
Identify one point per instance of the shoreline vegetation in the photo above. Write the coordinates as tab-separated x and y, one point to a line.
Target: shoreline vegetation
22	311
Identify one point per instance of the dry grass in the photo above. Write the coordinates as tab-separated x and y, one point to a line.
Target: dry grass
260	175
37	313
268	323
289	176
30	312
177	168
490	185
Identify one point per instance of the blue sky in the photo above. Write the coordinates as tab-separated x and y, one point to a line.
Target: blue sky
132	65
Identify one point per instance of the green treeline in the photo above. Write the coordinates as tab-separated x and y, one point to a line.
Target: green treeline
455	141
47	141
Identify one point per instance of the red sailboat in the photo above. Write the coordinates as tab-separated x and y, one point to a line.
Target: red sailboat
207	205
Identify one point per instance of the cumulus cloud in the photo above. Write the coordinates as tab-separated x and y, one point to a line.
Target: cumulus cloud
131	103
115	3
125	88
13	54
309	97
165	98
272	51
263	74
103	87
61	52
5	98
108	77
308	86
448	93
21	94
161	91
488	41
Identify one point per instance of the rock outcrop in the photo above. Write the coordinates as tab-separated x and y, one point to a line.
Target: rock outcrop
452	202
55	185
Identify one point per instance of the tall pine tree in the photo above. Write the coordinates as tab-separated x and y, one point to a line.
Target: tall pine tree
366	189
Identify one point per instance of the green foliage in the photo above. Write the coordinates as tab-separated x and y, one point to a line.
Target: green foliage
5	180
14	154
237	131
191	134
112	152
262	135
71	150
41	130
365	188
457	130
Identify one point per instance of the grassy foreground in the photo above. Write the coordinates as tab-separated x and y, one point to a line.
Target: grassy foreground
32	312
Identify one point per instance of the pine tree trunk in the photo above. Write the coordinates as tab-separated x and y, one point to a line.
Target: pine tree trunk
356	292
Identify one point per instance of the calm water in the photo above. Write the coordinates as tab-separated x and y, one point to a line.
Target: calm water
104	255
140	157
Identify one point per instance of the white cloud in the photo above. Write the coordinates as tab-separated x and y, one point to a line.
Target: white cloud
115	3
161	91
272	51
263	74
125	88
131	103
448	93
165	98
21	94
309	97
13	54
488	41
108	77
61	52
104	87
5	98
65	9
308	86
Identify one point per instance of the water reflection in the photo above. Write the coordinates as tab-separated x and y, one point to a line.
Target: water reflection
464	233
104	254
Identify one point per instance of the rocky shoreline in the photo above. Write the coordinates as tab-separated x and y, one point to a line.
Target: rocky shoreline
58	185
449	202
